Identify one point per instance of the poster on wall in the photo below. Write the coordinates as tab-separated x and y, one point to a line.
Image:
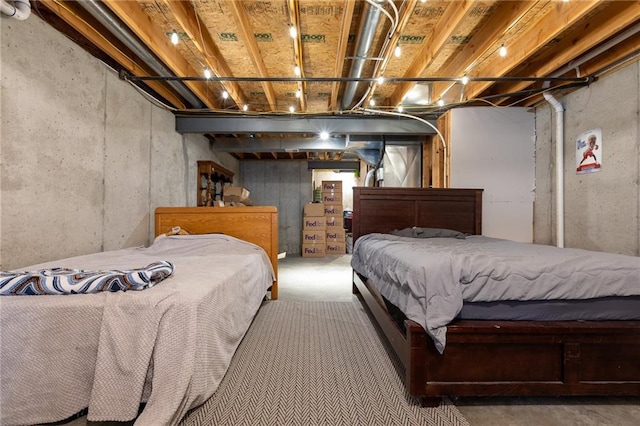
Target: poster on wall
589	151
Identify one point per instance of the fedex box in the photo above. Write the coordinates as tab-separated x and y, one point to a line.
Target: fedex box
313	250
334	222
314	209
332	185
314	237
336	248
332	209
314	223
336	235
332	197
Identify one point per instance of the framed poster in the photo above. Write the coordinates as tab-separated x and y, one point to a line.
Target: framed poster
589	151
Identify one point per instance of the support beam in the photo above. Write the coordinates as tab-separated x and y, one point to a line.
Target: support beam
360	125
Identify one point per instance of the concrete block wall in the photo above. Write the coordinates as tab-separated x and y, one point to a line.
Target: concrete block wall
286	185
85	158
601	209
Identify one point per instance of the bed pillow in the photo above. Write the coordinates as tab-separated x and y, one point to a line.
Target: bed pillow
417	232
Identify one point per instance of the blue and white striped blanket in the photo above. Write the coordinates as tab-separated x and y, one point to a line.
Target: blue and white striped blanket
76	281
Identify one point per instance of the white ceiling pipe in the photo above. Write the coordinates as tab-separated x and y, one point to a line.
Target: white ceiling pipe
18	9
559	109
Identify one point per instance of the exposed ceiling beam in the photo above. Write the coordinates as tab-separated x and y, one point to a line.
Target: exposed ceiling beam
294	17
433	45
618	16
534	37
345	26
278	144
250	42
405	13
354	125
188	19
140	23
507	14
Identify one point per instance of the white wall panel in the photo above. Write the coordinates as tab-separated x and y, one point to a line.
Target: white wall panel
493	149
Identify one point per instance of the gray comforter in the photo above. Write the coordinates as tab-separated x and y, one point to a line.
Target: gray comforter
428	279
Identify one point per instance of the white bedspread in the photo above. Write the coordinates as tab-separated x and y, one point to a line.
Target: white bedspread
428	279
169	345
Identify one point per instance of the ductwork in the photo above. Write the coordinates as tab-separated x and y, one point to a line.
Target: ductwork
104	15
18	9
368	23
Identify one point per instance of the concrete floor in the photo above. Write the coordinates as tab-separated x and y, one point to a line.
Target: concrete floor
329	279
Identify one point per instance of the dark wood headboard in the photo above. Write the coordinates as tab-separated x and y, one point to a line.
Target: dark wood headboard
386	209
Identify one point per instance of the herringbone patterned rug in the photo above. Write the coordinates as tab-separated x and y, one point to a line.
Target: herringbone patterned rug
315	363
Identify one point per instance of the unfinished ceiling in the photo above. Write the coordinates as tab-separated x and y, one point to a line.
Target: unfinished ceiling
364	68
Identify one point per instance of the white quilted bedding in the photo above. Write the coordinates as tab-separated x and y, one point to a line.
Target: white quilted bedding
169	345
428	279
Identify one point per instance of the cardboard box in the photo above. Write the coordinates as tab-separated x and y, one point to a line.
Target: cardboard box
314	223
334	222
311	237
331	185
240	192
333	209
335	235
313	250
332	197
314	209
336	248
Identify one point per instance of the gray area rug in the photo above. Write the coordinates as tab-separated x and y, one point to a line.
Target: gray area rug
315	363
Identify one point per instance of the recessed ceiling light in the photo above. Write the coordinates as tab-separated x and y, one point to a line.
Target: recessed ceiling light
324	135
440	102
400	108
397	51
296	71
225	94
293	32
207	74
503	51
245	107
174	38
291	108
465	80
380	80
372	102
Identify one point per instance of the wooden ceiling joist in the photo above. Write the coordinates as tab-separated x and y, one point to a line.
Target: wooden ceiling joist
186	16
619	15
534	37
431	46
139	22
506	15
256	57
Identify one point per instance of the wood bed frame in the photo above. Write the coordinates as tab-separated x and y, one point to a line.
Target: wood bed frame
257	225
492	358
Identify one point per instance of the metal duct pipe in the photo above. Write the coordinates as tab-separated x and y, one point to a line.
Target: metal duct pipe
99	11
364	40
18	9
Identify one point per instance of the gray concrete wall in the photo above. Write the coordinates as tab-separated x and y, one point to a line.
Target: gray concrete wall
601	209
286	185
85	158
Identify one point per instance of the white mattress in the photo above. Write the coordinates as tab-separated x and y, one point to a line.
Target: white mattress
168	346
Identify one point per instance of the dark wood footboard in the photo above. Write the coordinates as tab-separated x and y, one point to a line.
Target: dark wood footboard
515	358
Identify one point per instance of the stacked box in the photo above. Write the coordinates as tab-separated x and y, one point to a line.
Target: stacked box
314	225
333	212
